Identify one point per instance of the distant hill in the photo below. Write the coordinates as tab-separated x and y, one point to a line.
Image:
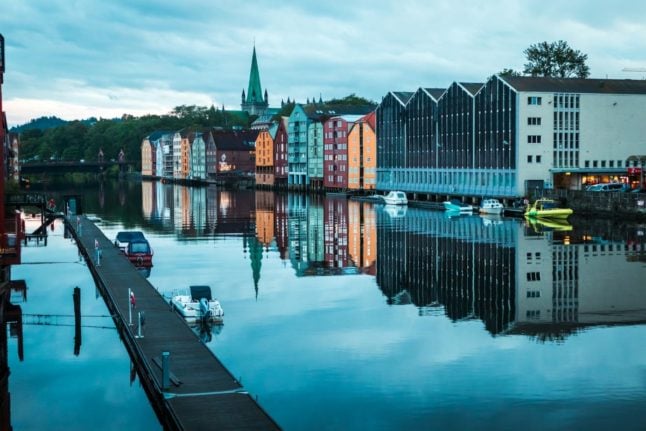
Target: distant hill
44	123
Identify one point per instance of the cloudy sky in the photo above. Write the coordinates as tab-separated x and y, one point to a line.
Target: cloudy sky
82	58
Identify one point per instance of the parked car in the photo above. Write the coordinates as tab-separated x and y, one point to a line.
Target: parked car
609	187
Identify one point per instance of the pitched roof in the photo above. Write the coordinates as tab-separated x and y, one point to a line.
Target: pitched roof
236	140
472	87
254	92
435	93
576	85
403	96
318	112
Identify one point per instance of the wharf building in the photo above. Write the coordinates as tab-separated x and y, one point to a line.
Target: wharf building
511	136
517	278
308	139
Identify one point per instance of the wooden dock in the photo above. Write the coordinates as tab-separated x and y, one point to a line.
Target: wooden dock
201	394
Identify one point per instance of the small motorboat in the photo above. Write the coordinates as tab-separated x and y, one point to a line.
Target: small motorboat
396	198
456	205
197	303
491	206
547	208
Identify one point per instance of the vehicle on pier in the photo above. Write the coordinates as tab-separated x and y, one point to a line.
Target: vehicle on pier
139	252
124	237
197	303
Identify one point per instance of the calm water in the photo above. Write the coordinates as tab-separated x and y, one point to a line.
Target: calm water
345	315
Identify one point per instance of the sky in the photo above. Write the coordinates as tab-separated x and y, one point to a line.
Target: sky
81	58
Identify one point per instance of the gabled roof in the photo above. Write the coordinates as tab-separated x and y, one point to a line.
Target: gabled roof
472	87
435	93
575	85
321	112
402	96
235	140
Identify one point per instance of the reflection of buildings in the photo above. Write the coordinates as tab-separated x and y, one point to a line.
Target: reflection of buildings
515	280
362	236
436	261
325	238
577	282
197	211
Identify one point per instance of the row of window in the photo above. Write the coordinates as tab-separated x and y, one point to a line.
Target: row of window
606	163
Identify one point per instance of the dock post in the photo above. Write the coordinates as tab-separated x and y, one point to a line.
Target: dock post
129	307
77	320
165	370
140	322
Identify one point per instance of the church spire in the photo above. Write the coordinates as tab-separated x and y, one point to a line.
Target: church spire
254	92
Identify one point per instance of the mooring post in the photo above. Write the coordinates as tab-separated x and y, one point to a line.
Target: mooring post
129	307
77	320
140	322
165	370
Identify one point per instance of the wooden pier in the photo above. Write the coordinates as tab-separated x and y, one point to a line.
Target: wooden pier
201	393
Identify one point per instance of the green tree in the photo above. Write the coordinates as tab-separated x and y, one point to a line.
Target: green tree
509	72
555	60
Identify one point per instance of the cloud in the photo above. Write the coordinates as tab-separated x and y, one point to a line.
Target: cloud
305	49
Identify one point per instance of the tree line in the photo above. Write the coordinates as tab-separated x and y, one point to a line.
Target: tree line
76	140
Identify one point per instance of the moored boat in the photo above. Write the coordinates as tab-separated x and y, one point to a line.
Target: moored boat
547	208
197	303
456	205
396	198
491	206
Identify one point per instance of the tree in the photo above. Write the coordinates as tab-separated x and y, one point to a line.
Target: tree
509	72
555	60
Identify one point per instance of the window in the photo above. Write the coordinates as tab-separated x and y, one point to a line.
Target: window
533	293
533	121
612	163
538	159
587	163
595	164
603	163
529	159
534	276
533	139
533	100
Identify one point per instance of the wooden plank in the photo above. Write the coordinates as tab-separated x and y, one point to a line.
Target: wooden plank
207	396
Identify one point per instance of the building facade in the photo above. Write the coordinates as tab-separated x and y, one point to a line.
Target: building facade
362	154
336	153
512	136
298	125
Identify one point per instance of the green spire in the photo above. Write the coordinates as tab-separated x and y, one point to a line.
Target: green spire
254	92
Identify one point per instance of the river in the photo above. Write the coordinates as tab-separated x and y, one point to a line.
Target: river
349	315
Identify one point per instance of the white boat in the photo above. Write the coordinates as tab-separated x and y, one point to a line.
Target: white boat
457	206
396	198
491	206
197	303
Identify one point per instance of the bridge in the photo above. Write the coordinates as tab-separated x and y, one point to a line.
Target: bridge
63	167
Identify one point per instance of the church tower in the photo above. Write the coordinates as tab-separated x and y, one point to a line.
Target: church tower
253	102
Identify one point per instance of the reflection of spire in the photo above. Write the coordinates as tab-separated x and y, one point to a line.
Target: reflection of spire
255	255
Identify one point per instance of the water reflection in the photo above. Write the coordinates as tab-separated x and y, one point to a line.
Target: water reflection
538	278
